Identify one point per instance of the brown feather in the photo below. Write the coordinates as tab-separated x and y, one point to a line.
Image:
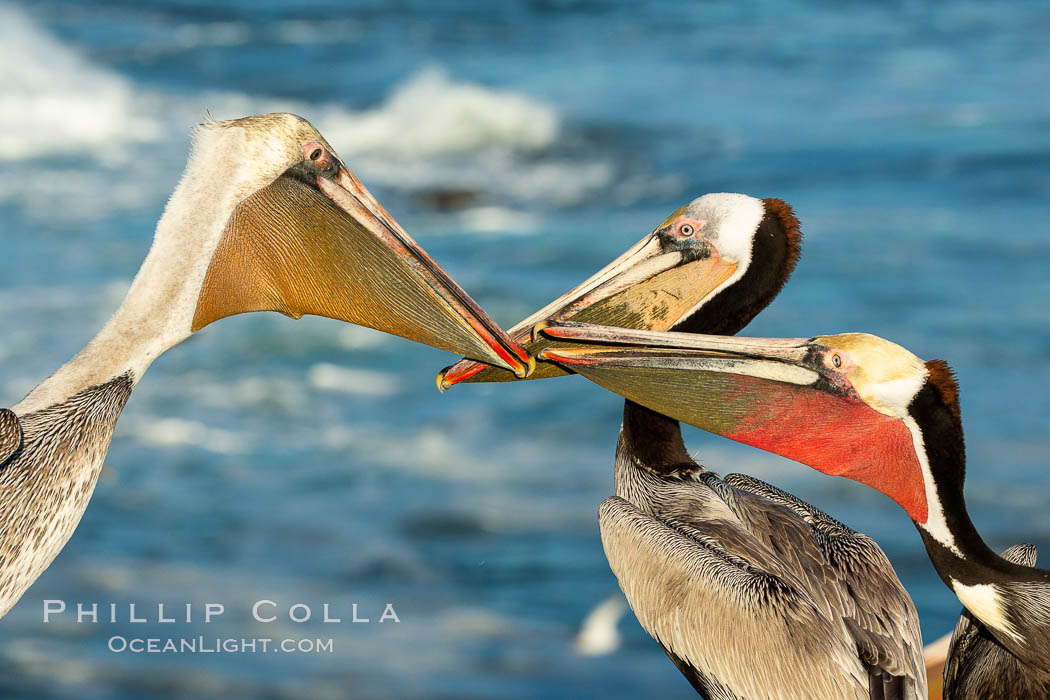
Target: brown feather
793	230
943	378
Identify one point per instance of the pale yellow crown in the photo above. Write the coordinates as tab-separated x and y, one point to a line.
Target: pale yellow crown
885	375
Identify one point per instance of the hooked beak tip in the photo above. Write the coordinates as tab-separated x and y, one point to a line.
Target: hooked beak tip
465	369
522	370
539	328
555	329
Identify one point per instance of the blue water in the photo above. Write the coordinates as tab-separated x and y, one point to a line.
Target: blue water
524	144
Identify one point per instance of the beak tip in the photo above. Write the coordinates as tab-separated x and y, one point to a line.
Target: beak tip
539	328
523	370
530	367
440	381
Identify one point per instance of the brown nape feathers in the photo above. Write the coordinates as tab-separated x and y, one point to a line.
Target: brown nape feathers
943	378
783	211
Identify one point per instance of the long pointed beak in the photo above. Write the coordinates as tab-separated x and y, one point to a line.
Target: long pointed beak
771	393
333	250
494	340
706	381
646	287
792	350
712	382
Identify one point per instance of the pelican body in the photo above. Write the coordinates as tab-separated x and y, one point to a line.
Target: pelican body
265	218
858	406
750	592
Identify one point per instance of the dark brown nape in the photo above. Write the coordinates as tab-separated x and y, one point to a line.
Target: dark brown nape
774	254
792	230
943	378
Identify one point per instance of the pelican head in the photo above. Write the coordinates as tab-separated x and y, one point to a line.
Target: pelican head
852	404
304	236
266	217
710	265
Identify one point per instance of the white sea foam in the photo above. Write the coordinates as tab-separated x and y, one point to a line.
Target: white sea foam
190	36
178	432
280	392
347	380
52	98
432	115
353	337
431	134
497	220
318	31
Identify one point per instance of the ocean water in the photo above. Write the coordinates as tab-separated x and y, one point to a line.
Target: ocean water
524	144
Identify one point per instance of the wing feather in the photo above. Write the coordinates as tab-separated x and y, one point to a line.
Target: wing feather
696	588
850	574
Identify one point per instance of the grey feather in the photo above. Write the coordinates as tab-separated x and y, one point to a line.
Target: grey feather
754	593
858	581
49	478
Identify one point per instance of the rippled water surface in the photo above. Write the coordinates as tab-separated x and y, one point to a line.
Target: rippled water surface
524	144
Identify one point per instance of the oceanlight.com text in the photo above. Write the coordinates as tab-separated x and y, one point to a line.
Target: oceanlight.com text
218	645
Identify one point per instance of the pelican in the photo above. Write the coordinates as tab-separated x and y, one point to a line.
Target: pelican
858	406
711	245
749	591
265	218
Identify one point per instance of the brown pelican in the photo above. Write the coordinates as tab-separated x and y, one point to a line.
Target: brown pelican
862	407
265	218
710	245
749	591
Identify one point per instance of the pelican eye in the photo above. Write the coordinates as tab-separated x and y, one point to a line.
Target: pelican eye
317	156
686	230
836	360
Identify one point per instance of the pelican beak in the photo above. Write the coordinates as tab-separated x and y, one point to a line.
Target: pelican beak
772	393
726	385
315	241
647	287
